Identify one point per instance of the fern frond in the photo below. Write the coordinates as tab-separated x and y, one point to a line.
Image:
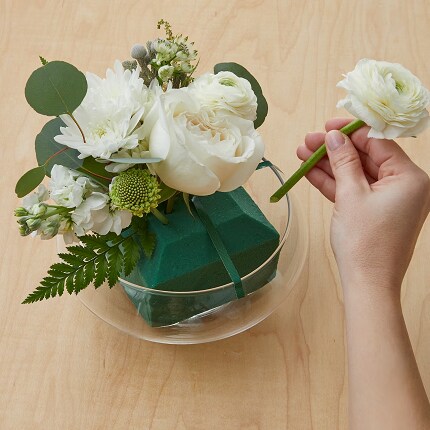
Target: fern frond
97	259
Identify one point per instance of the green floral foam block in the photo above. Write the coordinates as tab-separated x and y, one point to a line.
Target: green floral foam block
186	260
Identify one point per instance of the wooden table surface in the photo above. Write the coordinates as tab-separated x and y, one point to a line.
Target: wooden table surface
63	368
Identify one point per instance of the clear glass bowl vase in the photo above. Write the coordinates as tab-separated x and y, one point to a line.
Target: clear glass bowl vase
113	305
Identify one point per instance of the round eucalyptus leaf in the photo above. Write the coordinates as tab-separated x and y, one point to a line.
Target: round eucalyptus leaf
56	88
50	152
29	181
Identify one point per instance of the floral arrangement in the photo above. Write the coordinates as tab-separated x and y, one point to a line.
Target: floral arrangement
123	148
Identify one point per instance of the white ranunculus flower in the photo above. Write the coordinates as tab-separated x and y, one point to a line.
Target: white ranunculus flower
387	97
109	114
227	92
68	188
202	152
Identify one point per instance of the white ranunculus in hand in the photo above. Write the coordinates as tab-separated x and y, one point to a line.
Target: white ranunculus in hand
387	97
226	92
202	151
109	114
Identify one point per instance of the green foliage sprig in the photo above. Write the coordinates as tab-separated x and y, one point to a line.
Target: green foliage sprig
97	259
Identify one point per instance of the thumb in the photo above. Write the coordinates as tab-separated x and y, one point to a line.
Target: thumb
345	163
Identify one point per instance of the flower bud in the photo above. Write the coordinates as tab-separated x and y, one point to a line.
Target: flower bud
38	209
20	211
34	223
129	65
24	230
165	72
23	220
138	52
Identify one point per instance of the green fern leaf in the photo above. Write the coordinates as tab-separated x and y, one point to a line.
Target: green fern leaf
100	271
93	243
148	241
97	259
81	251
131	255
70	285
70	259
115	263
79	280
143	236
43	60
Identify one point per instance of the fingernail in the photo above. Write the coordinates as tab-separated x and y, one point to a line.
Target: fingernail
335	139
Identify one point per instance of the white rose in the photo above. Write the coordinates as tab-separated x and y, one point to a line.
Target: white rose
387	97
202	152
227	92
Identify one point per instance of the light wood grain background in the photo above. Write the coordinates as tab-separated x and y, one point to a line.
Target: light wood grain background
61	367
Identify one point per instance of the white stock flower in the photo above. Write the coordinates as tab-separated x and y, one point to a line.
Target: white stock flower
202	152
108	115
82	216
226	92
68	187
95	214
32	201
107	220
387	97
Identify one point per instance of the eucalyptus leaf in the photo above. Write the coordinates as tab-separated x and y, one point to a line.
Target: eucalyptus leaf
238	70
50	152
56	88
135	160
29	181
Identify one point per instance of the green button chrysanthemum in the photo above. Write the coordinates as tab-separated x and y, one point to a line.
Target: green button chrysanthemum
135	190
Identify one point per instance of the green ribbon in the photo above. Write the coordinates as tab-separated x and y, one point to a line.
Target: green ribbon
265	163
220	247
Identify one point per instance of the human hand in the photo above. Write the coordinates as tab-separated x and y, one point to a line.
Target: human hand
381	202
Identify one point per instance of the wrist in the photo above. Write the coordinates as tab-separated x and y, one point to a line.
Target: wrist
371	294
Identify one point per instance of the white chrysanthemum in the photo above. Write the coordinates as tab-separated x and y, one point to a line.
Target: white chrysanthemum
225	92
108	115
387	97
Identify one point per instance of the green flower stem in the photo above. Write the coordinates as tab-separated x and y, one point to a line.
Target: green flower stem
170	204
56	210
311	162
159	216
